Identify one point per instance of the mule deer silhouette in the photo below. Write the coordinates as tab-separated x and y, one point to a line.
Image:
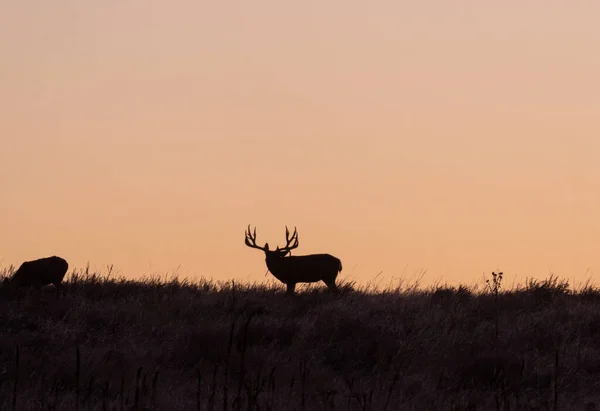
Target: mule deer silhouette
291	270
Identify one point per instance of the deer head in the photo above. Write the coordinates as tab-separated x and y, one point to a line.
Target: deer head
291	243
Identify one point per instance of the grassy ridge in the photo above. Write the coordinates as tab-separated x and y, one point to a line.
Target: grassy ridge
177	345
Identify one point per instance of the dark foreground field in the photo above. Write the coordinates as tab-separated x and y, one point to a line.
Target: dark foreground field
122	345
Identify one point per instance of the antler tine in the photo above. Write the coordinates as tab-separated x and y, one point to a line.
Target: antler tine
292	242
250	239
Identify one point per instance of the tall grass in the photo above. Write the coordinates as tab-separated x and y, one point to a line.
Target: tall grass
170	344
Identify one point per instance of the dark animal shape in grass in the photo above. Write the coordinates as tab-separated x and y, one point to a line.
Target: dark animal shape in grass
38	273
291	270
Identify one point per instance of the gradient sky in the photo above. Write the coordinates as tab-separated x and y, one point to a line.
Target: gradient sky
447	137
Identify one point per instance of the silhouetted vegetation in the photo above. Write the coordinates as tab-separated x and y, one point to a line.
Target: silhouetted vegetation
116	344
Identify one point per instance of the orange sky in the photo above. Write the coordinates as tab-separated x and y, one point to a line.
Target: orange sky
452	137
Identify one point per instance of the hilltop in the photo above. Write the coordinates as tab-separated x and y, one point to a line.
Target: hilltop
155	344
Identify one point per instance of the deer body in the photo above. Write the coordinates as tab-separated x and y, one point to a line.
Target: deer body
291	270
37	273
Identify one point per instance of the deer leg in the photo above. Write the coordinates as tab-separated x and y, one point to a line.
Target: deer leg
331	285
290	288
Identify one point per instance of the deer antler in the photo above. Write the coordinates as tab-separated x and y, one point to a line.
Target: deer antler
251	239
291	242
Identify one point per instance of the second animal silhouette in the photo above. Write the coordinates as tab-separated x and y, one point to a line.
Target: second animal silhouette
38	273
291	270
